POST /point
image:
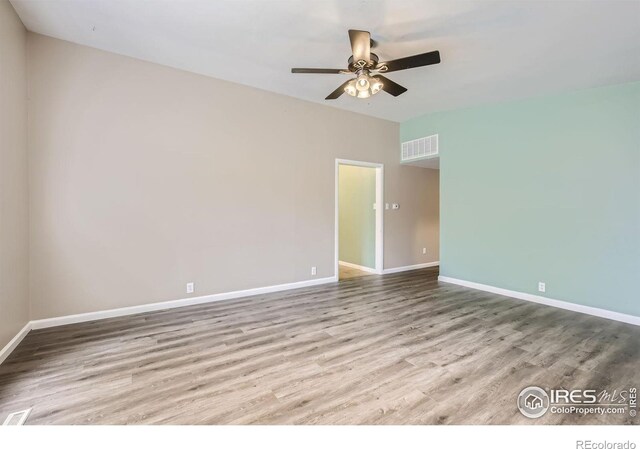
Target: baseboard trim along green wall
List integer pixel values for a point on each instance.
(622, 317)
(545, 189)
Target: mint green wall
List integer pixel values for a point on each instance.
(545, 189)
(357, 219)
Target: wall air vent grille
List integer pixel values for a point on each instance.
(419, 148)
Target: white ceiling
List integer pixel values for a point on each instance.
(492, 51)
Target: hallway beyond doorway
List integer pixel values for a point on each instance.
(347, 272)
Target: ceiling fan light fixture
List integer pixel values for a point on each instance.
(350, 88)
(362, 62)
(362, 82)
(376, 86)
(363, 86)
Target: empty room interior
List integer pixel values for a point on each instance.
(293, 212)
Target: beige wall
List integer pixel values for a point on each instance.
(14, 301)
(144, 177)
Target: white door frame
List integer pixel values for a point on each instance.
(379, 213)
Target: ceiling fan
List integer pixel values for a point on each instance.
(367, 68)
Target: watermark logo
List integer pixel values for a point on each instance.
(588, 444)
(533, 402)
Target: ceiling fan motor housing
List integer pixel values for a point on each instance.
(354, 66)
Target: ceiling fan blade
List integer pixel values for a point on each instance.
(339, 91)
(360, 45)
(329, 71)
(410, 62)
(391, 87)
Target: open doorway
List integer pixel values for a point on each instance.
(359, 219)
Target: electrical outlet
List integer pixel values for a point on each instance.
(314, 271)
(542, 287)
(395, 206)
(424, 250)
(190, 287)
(386, 206)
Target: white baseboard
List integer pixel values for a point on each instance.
(358, 267)
(411, 267)
(112, 313)
(92, 316)
(602, 313)
(15, 341)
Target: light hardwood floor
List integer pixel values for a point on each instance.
(394, 349)
(345, 272)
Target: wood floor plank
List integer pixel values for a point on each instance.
(394, 349)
